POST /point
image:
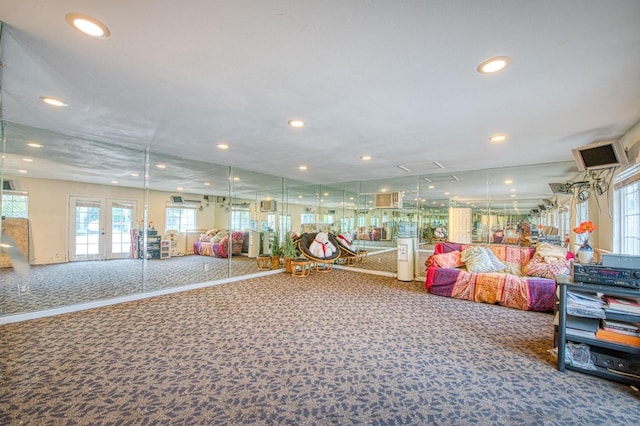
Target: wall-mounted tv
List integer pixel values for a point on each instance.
(600, 155)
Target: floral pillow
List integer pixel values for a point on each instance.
(537, 267)
(447, 260)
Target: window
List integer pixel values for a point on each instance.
(285, 223)
(180, 218)
(582, 212)
(626, 223)
(240, 220)
(15, 204)
(307, 218)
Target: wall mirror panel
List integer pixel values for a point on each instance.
(117, 221)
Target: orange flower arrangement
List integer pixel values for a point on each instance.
(585, 228)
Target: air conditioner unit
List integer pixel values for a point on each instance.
(268, 206)
(389, 200)
(177, 199)
(7, 185)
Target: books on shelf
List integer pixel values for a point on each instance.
(585, 305)
(615, 337)
(627, 328)
(619, 304)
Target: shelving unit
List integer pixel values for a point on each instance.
(152, 251)
(165, 249)
(624, 359)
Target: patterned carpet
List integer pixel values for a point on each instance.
(334, 348)
(57, 285)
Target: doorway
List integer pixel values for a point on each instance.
(100, 229)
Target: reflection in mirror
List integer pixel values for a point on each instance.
(88, 209)
(73, 206)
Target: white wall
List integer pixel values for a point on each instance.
(49, 209)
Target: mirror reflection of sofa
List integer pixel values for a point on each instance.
(215, 243)
(369, 234)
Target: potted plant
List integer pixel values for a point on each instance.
(289, 251)
(276, 250)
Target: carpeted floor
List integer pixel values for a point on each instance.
(58, 285)
(331, 349)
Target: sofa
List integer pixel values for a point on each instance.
(218, 244)
(517, 277)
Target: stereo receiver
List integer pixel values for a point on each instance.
(598, 274)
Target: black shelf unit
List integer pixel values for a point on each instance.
(153, 246)
(621, 353)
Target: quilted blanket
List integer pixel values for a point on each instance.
(506, 289)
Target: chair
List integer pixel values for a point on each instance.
(320, 264)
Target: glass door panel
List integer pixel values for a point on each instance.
(121, 223)
(87, 229)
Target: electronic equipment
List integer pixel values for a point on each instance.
(598, 274)
(620, 261)
(600, 155)
(389, 200)
(615, 364)
(7, 185)
(268, 206)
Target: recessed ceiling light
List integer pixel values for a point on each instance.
(492, 65)
(296, 123)
(34, 145)
(365, 157)
(207, 183)
(22, 171)
(161, 166)
(179, 188)
(498, 138)
(513, 195)
(114, 181)
(513, 190)
(88, 25)
(447, 193)
(508, 182)
(236, 178)
(53, 101)
(431, 186)
(222, 146)
(303, 167)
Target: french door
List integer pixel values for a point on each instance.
(100, 229)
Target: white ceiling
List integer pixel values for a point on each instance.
(396, 80)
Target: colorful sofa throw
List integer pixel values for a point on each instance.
(218, 245)
(494, 274)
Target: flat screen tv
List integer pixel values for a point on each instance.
(600, 155)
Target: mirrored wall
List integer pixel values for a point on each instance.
(88, 221)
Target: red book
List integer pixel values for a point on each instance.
(623, 305)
